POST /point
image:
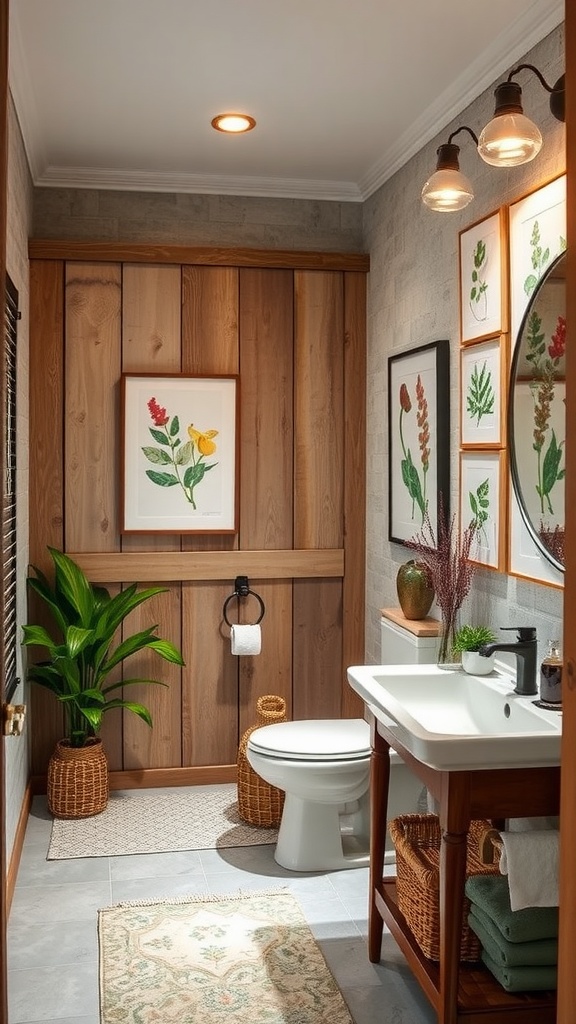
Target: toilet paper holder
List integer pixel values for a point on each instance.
(242, 589)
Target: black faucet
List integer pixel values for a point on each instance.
(525, 648)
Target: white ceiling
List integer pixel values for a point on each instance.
(120, 93)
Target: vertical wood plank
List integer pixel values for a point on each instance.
(318, 488)
(92, 372)
(318, 399)
(161, 746)
(210, 681)
(210, 320)
(266, 459)
(354, 497)
(46, 469)
(151, 325)
(317, 648)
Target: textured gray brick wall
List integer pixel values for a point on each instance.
(198, 219)
(413, 299)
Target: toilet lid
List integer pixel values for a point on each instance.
(332, 739)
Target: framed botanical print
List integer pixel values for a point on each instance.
(483, 395)
(483, 502)
(419, 438)
(179, 453)
(483, 278)
(537, 236)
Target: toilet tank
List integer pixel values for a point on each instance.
(407, 641)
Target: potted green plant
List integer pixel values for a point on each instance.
(82, 653)
(467, 641)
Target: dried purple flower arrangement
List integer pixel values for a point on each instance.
(447, 560)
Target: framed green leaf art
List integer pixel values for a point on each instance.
(483, 395)
(483, 278)
(483, 502)
(419, 438)
(179, 453)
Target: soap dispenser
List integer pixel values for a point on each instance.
(551, 675)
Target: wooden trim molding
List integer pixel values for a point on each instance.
(218, 256)
(171, 566)
(155, 778)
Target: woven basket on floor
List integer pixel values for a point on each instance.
(417, 840)
(259, 803)
(78, 780)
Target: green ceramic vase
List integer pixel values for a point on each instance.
(415, 590)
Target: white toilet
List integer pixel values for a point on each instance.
(323, 767)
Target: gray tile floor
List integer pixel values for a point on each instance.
(52, 939)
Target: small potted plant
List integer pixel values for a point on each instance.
(467, 641)
(83, 649)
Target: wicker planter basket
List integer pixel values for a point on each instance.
(78, 780)
(417, 841)
(259, 803)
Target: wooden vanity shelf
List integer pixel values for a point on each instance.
(461, 993)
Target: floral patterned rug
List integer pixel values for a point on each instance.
(158, 821)
(248, 958)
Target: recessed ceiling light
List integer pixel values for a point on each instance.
(234, 123)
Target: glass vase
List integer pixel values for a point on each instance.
(446, 657)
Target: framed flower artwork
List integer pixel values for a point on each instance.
(483, 278)
(483, 395)
(179, 453)
(419, 441)
(483, 502)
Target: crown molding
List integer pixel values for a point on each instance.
(209, 184)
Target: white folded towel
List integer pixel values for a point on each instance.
(531, 861)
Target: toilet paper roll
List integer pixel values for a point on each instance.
(246, 639)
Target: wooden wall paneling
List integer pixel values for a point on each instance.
(151, 328)
(317, 641)
(46, 472)
(210, 679)
(92, 371)
(91, 402)
(318, 487)
(354, 582)
(161, 746)
(266, 459)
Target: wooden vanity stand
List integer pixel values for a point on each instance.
(461, 993)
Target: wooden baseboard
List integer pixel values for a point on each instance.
(16, 854)
(154, 778)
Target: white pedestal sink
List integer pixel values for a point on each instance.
(454, 721)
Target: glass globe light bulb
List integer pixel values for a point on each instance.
(447, 190)
(509, 140)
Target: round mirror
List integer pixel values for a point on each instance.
(537, 413)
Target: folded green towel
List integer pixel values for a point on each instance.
(492, 895)
(522, 979)
(539, 952)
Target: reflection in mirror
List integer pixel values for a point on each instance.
(536, 413)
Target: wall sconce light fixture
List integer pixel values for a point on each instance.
(448, 189)
(511, 138)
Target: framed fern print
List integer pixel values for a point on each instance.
(483, 395)
(483, 501)
(483, 279)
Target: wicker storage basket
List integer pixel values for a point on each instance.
(417, 841)
(78, 780)
(259, 803)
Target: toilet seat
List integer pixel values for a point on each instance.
(326, 740)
